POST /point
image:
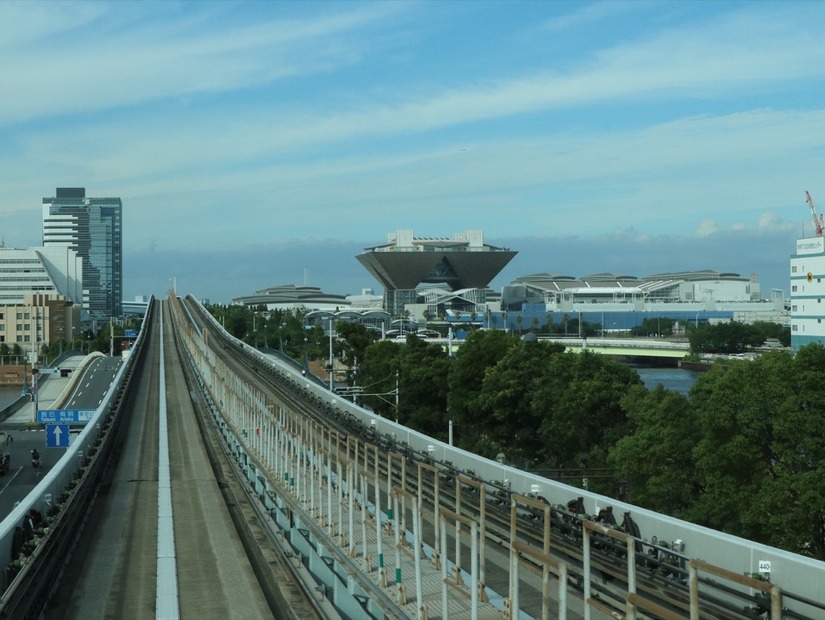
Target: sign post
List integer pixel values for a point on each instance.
(64, 416)
(57, 435)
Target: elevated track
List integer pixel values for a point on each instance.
(288, 502)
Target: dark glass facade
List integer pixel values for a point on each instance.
(93, 228)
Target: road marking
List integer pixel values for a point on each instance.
(8, 484)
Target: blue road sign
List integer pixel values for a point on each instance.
(71, 416)
(57, 436)
(130, 333)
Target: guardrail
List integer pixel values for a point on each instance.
(14, 407)
(804, 576)
(37, 535)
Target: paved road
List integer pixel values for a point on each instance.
(25, 436)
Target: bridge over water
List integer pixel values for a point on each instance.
(625, 347)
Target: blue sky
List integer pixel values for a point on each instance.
(265, 143)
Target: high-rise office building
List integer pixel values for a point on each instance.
(91, 227)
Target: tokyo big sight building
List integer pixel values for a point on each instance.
(93, 228)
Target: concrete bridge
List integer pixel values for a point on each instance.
(625, 347)
(629, 347)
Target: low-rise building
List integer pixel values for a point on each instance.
(41, 319)
(41, 295)
(293, 297)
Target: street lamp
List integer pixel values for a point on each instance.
(331, 359)
(36, 388)
(35, 361)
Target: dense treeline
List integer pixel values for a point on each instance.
(736, 337)
(534, 402)
(743, 452)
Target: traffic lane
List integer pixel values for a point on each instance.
(21, 478)
(94, 384)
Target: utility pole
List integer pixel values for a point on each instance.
(35, 366)
(331, 359)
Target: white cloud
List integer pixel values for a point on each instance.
(302, 126)
(707, 227)
(154, 60)
(586, 15)
(679, 170)
(138, 66)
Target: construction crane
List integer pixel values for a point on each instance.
(817, 218)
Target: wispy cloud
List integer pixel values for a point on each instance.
(237, 124)
(589, 14)
(75, 70)
(681, 169)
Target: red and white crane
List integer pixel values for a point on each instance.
(817, 218)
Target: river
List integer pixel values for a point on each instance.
(9, 394)
(676, 379)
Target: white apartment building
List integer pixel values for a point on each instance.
(40, 295)
(808, 292)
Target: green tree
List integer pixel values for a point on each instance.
(577, 404)
(656, 456)
(761, 448)
(237, 320)
(660, 326)
(480, 351)
(354, 338)
(505, 417)
(766, 329)
(730, 337)
(788, 511)
(423, 387)
(378, 374)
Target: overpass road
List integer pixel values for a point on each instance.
(84, 389)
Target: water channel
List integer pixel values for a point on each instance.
(9, 394)
(676, 379)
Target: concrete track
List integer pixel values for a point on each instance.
(113, 571)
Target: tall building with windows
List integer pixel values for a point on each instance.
(92, 227)
(40, 294)
(808, 292)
